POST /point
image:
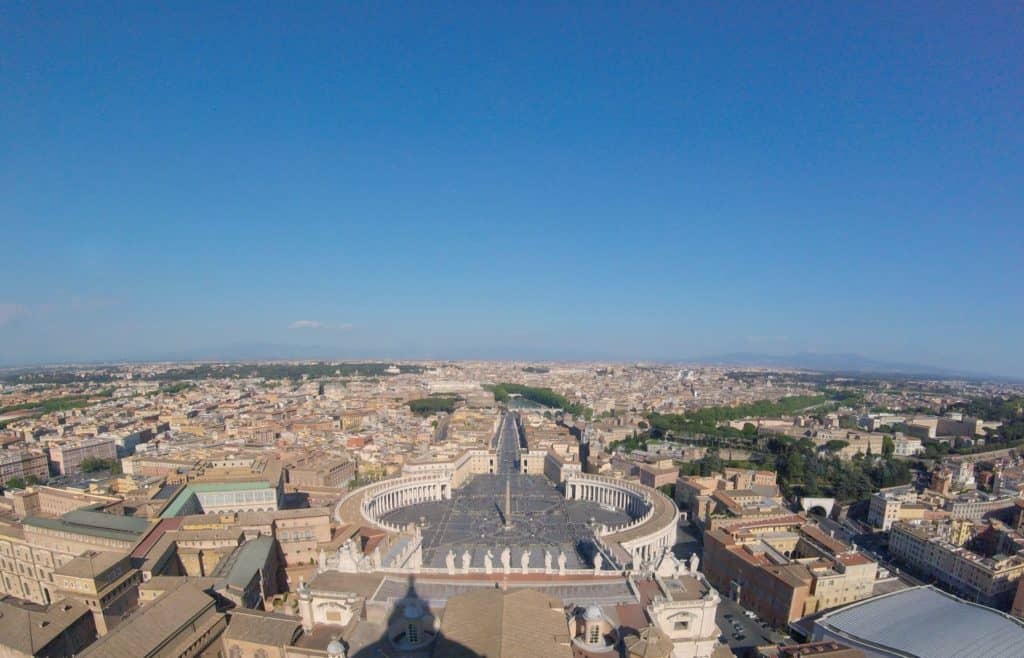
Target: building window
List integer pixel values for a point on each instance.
(682, 625)
(412, 634)
(595, 634)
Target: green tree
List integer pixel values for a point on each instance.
(888, 446)
(433, 405)
(95, 465)
(793, 465)
(16, 483)
(712, 463)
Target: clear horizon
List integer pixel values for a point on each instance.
(538, 184)
(834, 363)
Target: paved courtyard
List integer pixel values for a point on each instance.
(539, 518)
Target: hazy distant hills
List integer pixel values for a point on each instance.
(852, 363)
(833, 363)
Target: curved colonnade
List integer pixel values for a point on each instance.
(655, 516)
(372, 502)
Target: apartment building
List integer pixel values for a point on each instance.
(976, 505)
(105, 582)
(66, 458)
(907, 446)
(259, 436)
(561, 461)
(658, 474)
(322, 471)
(873, 422)
(896, 504)
(154, 465)
(54, 502)
(32, 553)
(735, 496)
(931, 427)
(905, 504)
(748, 478)
(23, 464)
(785, 570)
(935, 550)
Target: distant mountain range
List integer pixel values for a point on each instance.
(851, 363)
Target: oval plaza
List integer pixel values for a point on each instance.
(489, 512)
(449, 557)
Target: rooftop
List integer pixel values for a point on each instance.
(94, 524)
(927, 623)
(263, 627)
(239, 567)
(152, 625)
(90, 564)
(489, 622)
(28, 628)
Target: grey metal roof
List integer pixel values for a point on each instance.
(928, 623)
(95, 524)
(238, 567)
(166, 491)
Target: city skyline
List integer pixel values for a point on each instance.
(836, 364)
(454, 330)
(494, 183)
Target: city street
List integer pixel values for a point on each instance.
(750, 634)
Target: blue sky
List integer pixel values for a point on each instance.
(550, 181)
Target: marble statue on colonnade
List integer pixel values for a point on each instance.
(668, 565)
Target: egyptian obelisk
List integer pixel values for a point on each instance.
(508, 504)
